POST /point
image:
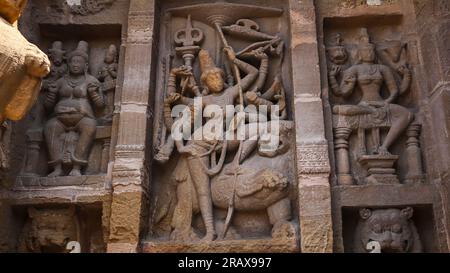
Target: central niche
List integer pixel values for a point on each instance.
(215, 194)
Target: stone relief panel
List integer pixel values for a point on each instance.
(376, 131)
(213, 191)
(68, 132)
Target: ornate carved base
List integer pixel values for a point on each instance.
(285, 245)
(415, 179)
(380, 168)
(345, 179)
(33, 181)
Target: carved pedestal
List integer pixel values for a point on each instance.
(380, 168)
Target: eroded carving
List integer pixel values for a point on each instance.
(22, 67)
(81, 7)
(108, 77)
(49, 230)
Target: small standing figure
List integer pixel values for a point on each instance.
(37, 116)
(108, 73)
(59, 67)
(337, 52)
(107, 76)
(57, 56)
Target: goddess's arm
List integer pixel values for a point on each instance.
(248, 80)
(95, 94)
(52, 94)
(347, 85)
(263, 71)
(390, 83)
(406, 79)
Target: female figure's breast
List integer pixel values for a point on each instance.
(370, 81)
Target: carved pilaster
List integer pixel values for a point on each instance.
(312, 159)
(313, 166)
(129, 170)
(32, 158)
(342, 156)
(414, 155)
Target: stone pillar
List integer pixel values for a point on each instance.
(35, 140)
(105, 155)
(313, 165)
(129, 174)
(414, 155)
(433, 23)
(342, 156)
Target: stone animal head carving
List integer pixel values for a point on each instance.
(393, 229)
(283, 138)
(49, 230)
(336, 52)
(56, 53)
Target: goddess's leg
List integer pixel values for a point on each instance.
(203, 189)
(52, 132)
(401, 119)
(87, 128)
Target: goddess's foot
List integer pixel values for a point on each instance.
(209, 237)
(75, 172)
(57, 172)
(161, 157)
(382, 151)
(283, 230)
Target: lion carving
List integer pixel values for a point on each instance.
(261, 185)
(49, 230)
(393, 229)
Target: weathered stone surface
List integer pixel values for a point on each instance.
(24, 181)
(10, 10)
(230, 246)
(22, 65)
(125, 218)
(313, 165)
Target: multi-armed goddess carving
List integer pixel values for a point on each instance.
(374, 113)
(256, 179)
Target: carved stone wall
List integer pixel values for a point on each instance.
(364, 61)
(361, 162)
(61, 153)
